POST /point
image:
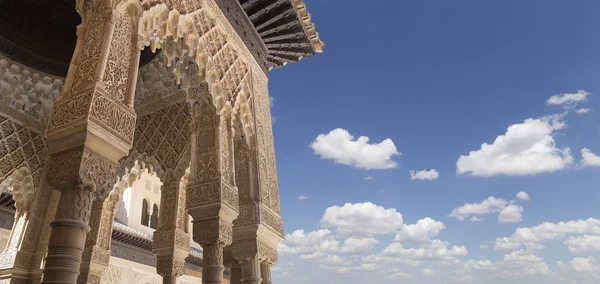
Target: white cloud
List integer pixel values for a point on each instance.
(428, 272)
(582, 110)
(548, 231)
(421, 232)
(363, 219)
(369, 178)
(488, 206)
(302, 197)
(583, 244)
(338, 145)
(588, 264)
(568, 99)
(522, 195)
(476, 219)
(511, 214)
(589, 159)
(521, 256)
(526, 148)
(483, 246)
(435, 251)
(506, 244)
(401, 275)
(424, 175)
(463, 279)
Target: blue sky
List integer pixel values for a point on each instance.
(439, 79)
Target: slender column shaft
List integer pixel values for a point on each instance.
(236, 275)
(169, 279)
(265, 272)
(67, 239)
(251, 271)
(212, 270)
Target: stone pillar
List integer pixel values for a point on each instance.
(236, 275)
(96, 254)
(258, 230)
(251, 271)
(265, 272)
(67, 238)
(90, 128)
(212, 195)
(171, 243)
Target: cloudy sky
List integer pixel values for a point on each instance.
(442, 142)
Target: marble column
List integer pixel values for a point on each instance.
(67, 239)
(90, 128)
(236, 274)
(251, 271)
(212, 196)
(265, 272)
(212, 263)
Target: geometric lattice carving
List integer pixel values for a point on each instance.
(21, 147)
(164, 135)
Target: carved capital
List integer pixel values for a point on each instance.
(169, 266)
(82, 166)
(213, 230)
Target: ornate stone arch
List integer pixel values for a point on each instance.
(197, 50)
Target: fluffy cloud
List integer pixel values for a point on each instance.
(582, 244)
(338, 145)
(302, 197)
(589, 159)
(588, 264)
(506, 244)
(421, 232)
(363, 219)
(424, 175)
(548, 231)
(428, 272)
(582, 110)
(463, 279)
(568, 99)
(434, 251)
(488, 206)
(511, 214)
(526, 148)
(401, 275)
(369, 178)
(522, 195)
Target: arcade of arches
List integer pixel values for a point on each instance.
(136, 142)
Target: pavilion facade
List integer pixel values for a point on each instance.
(172, 89)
